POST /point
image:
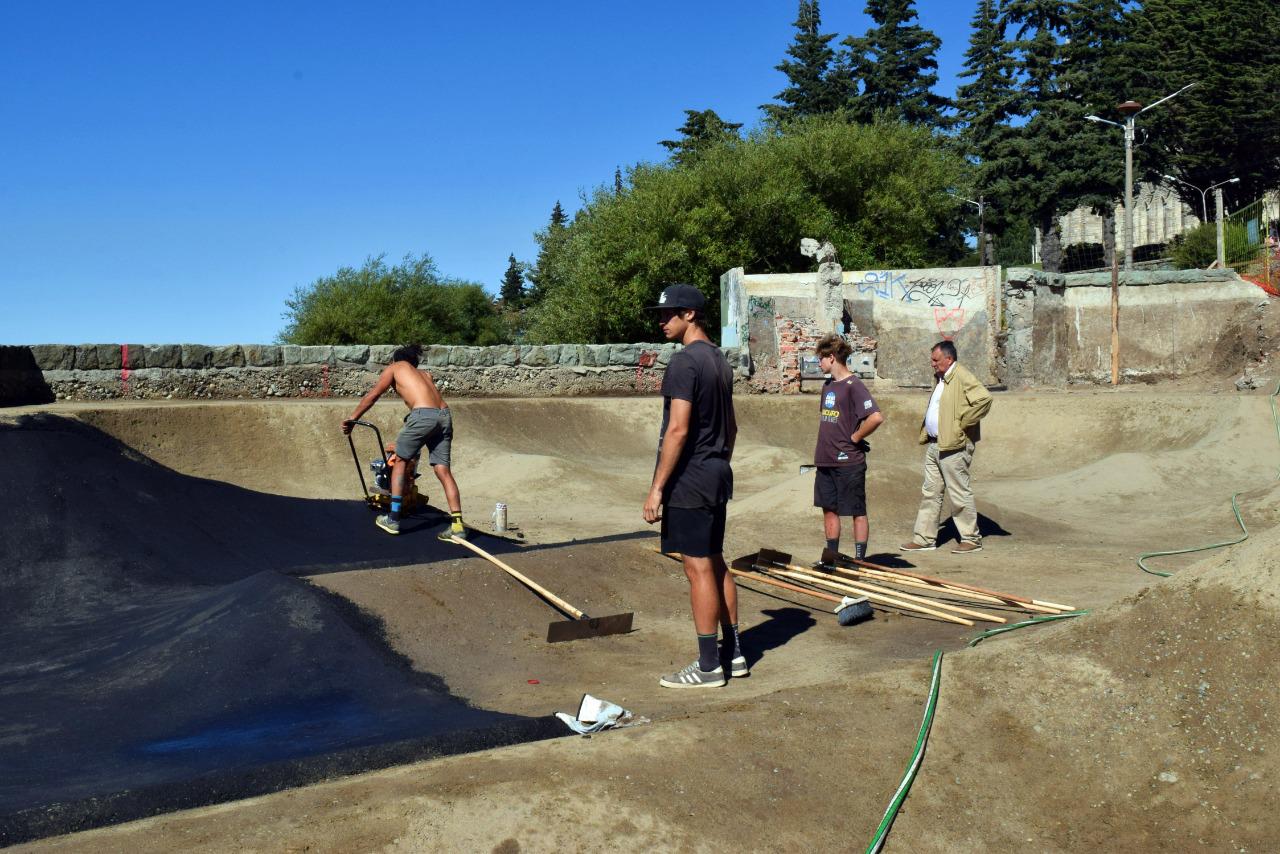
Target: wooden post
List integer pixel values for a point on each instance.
(1115, 321)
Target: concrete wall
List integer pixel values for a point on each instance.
(1173, 323)
(195, 371)
(895, 314)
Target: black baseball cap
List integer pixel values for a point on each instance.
(680, 296)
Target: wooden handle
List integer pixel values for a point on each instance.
(525, 580)
(1008, 597)
(864, 587)
(785, 586)
(877, 597)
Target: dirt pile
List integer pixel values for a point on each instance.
(1149, 725)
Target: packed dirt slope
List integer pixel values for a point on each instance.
(806, 752)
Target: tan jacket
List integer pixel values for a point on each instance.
(964, 403)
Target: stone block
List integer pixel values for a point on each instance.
(380, 354)
(108, 357)
(624, 354)
(597, 355)
(352, 354)
(463, 357)
(136, 356)
(228, 356)
(290, 354)
(665, 352)
(437, 356)
(261, 355)
(538, 356)
(509, 355)
(54, 357)
(571, 355)
(197, 356)
(163, 356)
(316, 354)
(485, 357)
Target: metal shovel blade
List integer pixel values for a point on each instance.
(768, 557)
(746, 563)
(589, 627)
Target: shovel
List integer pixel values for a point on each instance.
(581, 626)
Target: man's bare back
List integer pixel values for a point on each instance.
(417, 388)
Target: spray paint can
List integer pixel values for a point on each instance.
(499, 517)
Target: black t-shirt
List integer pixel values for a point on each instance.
(842, 405)
(702, 476)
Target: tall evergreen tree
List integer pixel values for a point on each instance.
(1228, 126)
(545, 274)
(617, 181)
(984, 107)
(1044, 143)
(701, 130)
(812, 89)
(895, 67)
(512, 291)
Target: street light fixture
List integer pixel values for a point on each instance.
(1204, 194)
(1131, 111)
(981, 205)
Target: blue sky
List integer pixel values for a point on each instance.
(170, 172)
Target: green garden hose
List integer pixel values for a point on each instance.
(1244, 536)
(877, 841)
(1047, 618)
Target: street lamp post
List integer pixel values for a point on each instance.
(981, 205)
(1204, 194)
(1131, 111)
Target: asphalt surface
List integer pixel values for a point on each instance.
(161, 652)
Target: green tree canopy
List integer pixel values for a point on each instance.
(895, 67)
(377, 304)
(701, 130)
(512, 291)
(813, 88)
(875, 191)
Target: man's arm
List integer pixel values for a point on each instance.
(672, 444)
(379, 388)
(866, 427)
(978, 399)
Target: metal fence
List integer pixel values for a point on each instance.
(1250, 242)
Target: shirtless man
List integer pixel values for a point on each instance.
(429, 423)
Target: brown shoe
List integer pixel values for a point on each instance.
(966, 548)
(916, 547)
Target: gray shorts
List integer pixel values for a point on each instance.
(430, 427)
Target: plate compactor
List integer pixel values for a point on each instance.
(379, 496)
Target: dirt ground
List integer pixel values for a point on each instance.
(1149, 724)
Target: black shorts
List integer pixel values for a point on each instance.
(693, 531)
(842, 489)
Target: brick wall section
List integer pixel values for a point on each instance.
(197, 371)
(797, 337)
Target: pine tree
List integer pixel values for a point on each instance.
(701, 130)
(812, 89)
(512, 291)
(545, 274)
(984, 107)
(895, 67)
(617, 181)
(1228, 126)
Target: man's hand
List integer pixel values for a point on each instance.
(347, 426)
(653, 506)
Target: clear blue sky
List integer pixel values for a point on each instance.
(170, 172)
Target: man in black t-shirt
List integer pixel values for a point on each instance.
(847, 415)
(693, 482)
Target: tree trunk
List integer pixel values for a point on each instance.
(1051, 246)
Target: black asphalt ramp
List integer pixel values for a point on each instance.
(159, 652)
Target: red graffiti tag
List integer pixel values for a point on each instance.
(941, 316)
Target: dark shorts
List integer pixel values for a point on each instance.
(693, 531)
(430, 427)
(842, 489)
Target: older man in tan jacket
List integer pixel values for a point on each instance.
(949, 433)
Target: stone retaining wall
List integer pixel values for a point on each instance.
(197, 371)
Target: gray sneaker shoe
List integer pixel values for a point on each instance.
(694, 677)
(386, 523)
(739, 668)
(916, 547)
(448, 534)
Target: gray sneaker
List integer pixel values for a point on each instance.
(449, 535)
(694, 677)
(386, 523)
(739, 668)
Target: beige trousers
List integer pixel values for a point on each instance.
(949, 473)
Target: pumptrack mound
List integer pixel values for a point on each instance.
(205, 570)
(159, 653)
